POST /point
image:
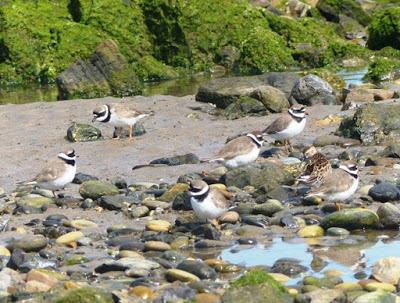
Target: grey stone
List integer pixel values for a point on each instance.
(384, 192)
(389, 215)
(311, 90)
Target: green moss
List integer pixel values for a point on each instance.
(331, 9)
(384, 29)
(314, 43)
(382, 69)
(85, 295)
(263, 51)
(150, 69)
(257, 277)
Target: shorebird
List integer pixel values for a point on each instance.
(288, 125)
(240, 151)
(57, 174)
(207, 203)
(119, 115)
(339, 185)
(317, 167)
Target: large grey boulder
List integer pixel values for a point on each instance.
(311, 90)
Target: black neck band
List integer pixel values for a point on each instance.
(203, 196)
(108, 114)
(255, 141)
(298, 119)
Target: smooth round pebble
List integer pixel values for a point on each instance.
(311, 231)
(69, 237)
(157, 246)
(142, 291)
(82, 224)
(158, 225)
(180, 275)
(229, 217)
(337, 232)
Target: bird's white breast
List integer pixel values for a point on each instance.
(243, 159)
(63, 180)
(293, 129)
(206, 210)
(344, 195)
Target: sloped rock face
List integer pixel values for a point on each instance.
(106, 72)
(373, 124)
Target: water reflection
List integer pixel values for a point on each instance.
(348, 255)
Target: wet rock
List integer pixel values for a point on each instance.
(116, 202)
(127, 263)
(376, 297)
(105, 73)
(256, 220)
(268, 177)
(373, 124)
(29, 243)
(84, 294)
(80, 178)
(211, 244)
(384, 192)
(311, 231)
(389, 215)
(177, 160)
(180, 275)
(311, 90)
(79, 132)
(154, 204)
(142, 291)
(268, 208)
(356, 218)
(198, 268)
(243, 107)
(122, 132)
(337, 232)
(289, 267)
(206, 232)
(94, 189)
(322, 296)
(69, 237)
(284, 81)
(387, 270)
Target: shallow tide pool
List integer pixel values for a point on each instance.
(351, 255)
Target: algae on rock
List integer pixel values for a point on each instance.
(373, 124)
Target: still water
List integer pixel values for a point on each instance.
(177, 87)
(351, 255)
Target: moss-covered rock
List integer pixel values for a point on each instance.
(384, 29)
(356, 218)
(256, 286)
(95, 189)
(84, 295)
(105, 73)
(244, 106)
(373, 124)
(383, 69)
(150, 69)
(331, 10)
(79, 132)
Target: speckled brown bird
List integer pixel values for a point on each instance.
(317, 167)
